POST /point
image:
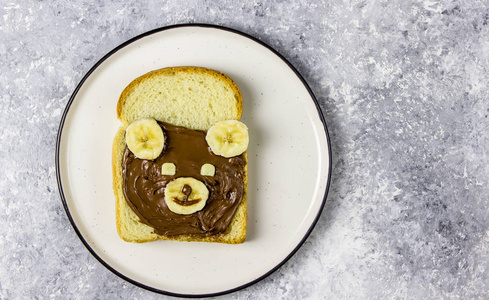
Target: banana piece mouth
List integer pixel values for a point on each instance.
(186, 195)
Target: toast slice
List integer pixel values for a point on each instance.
(195, 98)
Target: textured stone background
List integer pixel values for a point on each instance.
(404, 89)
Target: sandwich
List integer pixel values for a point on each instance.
(179, 158)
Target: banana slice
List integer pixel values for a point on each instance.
(228, 138)
(186, 195)
(145, 139)
(168, 169)
(208, 170)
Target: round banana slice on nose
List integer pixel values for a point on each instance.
(186, 195)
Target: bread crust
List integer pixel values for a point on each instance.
(183, 69)
(128, 226)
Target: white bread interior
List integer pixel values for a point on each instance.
(192, 97)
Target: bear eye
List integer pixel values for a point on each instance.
(168, 169)
(207, 170)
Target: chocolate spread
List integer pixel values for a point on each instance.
(144, 185)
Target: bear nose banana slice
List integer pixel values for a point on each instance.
(228, 138)
(186, 195)
(145, 139)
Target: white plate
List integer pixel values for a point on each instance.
(289, 161)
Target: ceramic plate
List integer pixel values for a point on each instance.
(289, 161)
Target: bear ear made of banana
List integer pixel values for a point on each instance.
(186, 195)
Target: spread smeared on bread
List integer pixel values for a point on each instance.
(145, 186)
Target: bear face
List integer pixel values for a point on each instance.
(145, 182)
